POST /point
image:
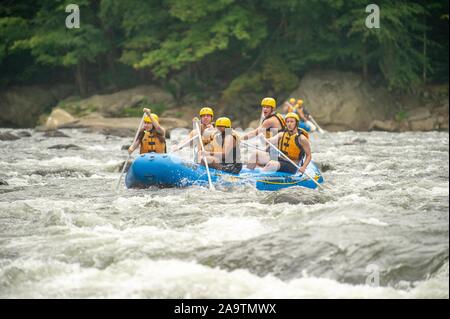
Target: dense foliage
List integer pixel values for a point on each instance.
(226, 46)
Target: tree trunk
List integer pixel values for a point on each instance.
(80, 76)
(365, 67)
(425, 40)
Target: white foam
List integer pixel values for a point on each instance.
(221, 229)
(144, 278)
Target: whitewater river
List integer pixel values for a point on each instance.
(380, 229)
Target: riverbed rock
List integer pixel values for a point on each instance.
(356, 140)
(23, 134)
(65, 147)
(426, 125)
(55, 134)
(8, 137)
(22, 106)
(112, 105)
(119, 132)
(343, 99)
(118, 168)
(122, 127)
(57, 118)
(419, 114)
(387, 126)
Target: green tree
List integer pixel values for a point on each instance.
(55, 45)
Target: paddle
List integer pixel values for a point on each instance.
(317, 125)
(292, 162)
(129, 155)
(179, 148)
(211, 186)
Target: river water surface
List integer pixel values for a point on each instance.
(379, 230)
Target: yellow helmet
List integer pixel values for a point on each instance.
(269, 101)
(206, 111)
(292, 116)
(156, 117)
(292, 101)
(223, 122)
(147, 118)
(300, 102)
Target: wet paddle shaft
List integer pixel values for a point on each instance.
(199, 132)
(129, 155)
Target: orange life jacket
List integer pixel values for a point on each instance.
(291, 147)
(153, 142)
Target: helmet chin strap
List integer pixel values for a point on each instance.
(296, 125)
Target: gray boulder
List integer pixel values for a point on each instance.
(112, 105)
(57, 118)
(8, 137)
(65, 147)
(342, 100)
(418, 114)
(22, 106)
(54, 134)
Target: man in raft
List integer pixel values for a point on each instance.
(151, 138)
(289, 106)
(294, 143)
(272, 123)
(305, 117)
(226, 153)
(206, 127)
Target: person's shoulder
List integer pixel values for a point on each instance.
(271, 121)
(302, 137)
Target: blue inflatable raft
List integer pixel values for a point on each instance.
(168, 170)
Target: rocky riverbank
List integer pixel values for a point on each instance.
(339, 101)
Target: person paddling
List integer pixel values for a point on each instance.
(151, 138)
(305, 117)
(288, 106)
(206, 127)
(272, 124)
(294, 143)
(226, 153)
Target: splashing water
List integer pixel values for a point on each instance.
(65, 233)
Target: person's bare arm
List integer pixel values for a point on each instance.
(136, 143)
(307, 148)
(264, 126)
(302, 115)
(159, 129)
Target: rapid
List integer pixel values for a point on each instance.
(379, 230)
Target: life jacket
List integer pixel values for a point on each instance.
(280, 118)
(290, 146)
(207, 138)
(152, 142)
(218, 144)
